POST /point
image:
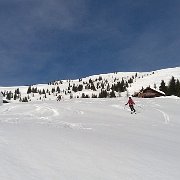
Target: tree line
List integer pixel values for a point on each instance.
(173, 87)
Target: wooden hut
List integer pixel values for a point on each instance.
(150, 93)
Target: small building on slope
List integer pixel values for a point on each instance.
(150, 93)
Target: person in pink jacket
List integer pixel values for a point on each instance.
(131, 105)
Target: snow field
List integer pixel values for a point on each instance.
(90, 139)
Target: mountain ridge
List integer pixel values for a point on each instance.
(92, 85)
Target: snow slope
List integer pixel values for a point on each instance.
(90, 139)
(143, 79)
(155, 78)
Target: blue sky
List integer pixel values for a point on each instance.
(44, 40)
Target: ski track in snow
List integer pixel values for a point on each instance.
(43, 114)
(42, 109)
(56, 122)
(80, 140)
(8, 109)
(154, 106)
(118, 106)
(165, 115)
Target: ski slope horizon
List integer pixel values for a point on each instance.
(162, 72)
(143, 79)
(90, 139)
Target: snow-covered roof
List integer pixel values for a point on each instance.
(161, 92)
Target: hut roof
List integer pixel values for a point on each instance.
(155, 90)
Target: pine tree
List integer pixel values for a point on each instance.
(102, 85)
(83, 95)
(177, 88)
(122, 86)
(100, 78)
(53, 90)
(25, 99)
(9, 95)
(97, 85)
(40, 92)
(172, 86)
(80, 87)
(127, 85)
(163, 87)
(29, 90)
(87, 96)
(130, 80)
(3, 93)
(112, 94)
(108, 87)
(94, 96)
(136, 75)
(93, 87)
(58, 89)
(103, 94)
(35, 90)
(74, 88)
(17, 91)
(43, 91)
(15, 96)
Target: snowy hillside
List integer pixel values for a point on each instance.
(122, 83)
(90, 139)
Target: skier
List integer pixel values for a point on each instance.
(59, 98)
(131, 105)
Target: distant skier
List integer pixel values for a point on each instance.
(59, 98)
(131, 105)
